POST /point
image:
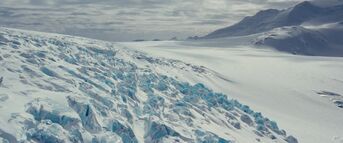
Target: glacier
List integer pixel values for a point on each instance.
(59, 88)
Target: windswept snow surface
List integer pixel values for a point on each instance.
(303, 93)
(58, 88)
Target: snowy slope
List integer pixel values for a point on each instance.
(314, 40)
(303, 93)
(58, 88)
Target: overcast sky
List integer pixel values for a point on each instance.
(124, 20)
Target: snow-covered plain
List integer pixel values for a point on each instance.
(57, 88)
(299, 92)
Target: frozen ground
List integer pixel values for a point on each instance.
(303, 93)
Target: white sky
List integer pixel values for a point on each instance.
(123, 20)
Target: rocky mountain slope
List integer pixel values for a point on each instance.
(306, 29)
(266, 20)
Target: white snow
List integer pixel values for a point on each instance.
(285, 88)
(280, 85)
(59, 88)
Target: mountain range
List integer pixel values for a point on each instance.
(306, 28)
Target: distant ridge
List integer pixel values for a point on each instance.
(305, 29)
(269, 19)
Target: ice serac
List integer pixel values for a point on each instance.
(81, 90)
